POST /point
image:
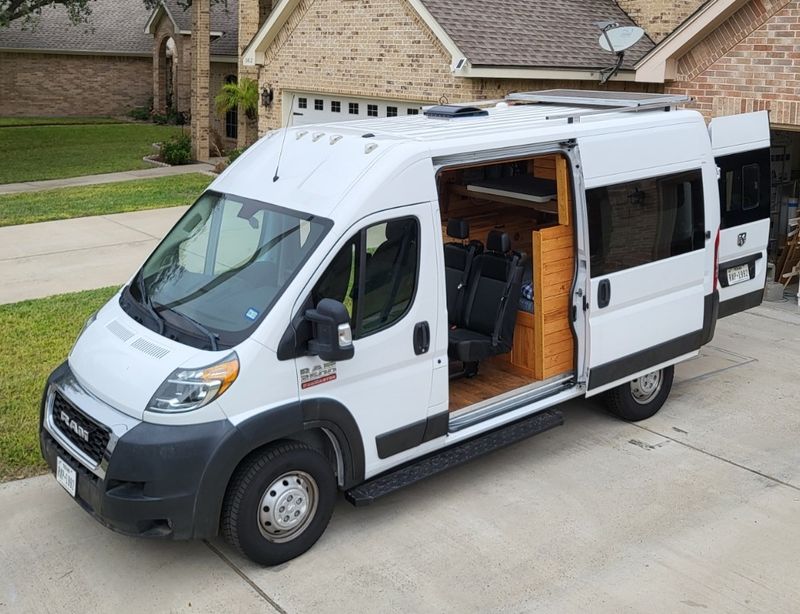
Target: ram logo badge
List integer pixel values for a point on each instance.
(741, 239)
(319, 374)
(75, 427)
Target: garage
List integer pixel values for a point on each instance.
(314, 108)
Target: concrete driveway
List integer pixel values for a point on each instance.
(695, 510)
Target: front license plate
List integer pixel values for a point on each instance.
(66, 476)
(738, 274)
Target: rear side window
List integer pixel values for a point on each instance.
(744, 187)
(374, 275)
(638, 222)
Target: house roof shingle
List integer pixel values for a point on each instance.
(542, 34)
(115, 27)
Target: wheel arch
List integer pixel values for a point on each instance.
(307, 421)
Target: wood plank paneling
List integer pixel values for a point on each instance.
(492, 380)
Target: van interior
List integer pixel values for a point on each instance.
(509, 263)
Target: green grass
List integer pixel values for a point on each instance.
(38, 335)
(63, 203)
(34, 153)
(56, 121)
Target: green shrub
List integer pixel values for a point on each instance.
(160, 119)
(177, 150)
(235, 153)
(140, 113)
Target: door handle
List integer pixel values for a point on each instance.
(603, 293)
(422, 338)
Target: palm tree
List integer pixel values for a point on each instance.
(242, 95)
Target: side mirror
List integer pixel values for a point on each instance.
(331, 337)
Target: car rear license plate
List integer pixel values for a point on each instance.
(66, 476)
(738, 274)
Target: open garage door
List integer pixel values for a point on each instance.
(311, 108)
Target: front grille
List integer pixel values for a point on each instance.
(88, 436)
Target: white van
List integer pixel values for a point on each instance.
(359, 306)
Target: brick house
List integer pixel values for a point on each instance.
(320, 60)
(126, 56)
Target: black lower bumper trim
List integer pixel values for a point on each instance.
(740, 303)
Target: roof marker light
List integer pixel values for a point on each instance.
(301, 134)
(317, 136)
(370, 148)
(336, 138)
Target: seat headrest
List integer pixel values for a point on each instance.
(498, 241)
(396, 229)
(458, 229)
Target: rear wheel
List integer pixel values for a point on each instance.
(642, 397)
(279, 503)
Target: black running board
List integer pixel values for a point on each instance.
(453, 456)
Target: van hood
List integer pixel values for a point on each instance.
(122, 362)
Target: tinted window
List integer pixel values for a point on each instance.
(302, 103)
(744, 187)
(633, 223)
(374, 275)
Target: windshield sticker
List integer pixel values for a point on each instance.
(251, 314)
(319, 374)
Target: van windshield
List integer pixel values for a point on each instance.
(221, 268)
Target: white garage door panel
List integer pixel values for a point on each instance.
(311, 108)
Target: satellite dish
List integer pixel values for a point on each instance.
(620, 39)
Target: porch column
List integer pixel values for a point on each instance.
(201, 69)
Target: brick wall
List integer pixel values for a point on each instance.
(252, 14)
(750, 63)
(44, 84)
(375, 49)
(659, 17)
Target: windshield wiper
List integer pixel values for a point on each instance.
(211, 336)
(148, 304)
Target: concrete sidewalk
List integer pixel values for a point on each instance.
(68, 182)
(38, 260)
(694, 510)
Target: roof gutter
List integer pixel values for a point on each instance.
(523, 72)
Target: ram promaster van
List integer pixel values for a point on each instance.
(359, 306)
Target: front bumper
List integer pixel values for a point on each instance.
(152, 480)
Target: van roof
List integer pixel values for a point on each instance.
(319, 163)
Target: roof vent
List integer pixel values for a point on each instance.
(452, 111)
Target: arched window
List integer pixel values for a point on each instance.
(232, 115)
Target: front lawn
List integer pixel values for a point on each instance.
(63, 203)
(34, 153)
(38, 336)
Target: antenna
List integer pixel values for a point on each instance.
(616, 39)
(283, 140)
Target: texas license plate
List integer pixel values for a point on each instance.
(66, 476)
(738, 274)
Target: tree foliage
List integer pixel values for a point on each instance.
(78, 10)
(242, 95)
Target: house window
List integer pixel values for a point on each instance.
(302, 103)
(391, 111)
(318, 105)
(231, 115)
(638, 222)
(336, 106)
(372, 110)
(353, 108)
(413, 111)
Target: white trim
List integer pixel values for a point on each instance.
(155, 15)
(492, 72)
(125, 54)
(224, 59)
(660, 64)
(254, 52)
(438, 31)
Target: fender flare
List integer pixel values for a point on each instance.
(271, 425)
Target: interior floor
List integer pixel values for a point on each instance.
(490, 382)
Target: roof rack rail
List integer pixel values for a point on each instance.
(598, 102)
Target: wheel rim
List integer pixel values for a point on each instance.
(645, 388)
(288, 506)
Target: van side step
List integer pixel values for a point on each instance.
(453, 456)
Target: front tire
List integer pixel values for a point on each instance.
(642, 397)
(279, 503)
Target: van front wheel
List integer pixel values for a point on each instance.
(642, 397)
(279, 503)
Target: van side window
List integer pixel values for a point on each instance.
(374, 275)
(744, 187)
(637, 222)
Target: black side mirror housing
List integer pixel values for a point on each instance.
(331, 337)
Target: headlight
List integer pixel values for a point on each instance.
(188, 389)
